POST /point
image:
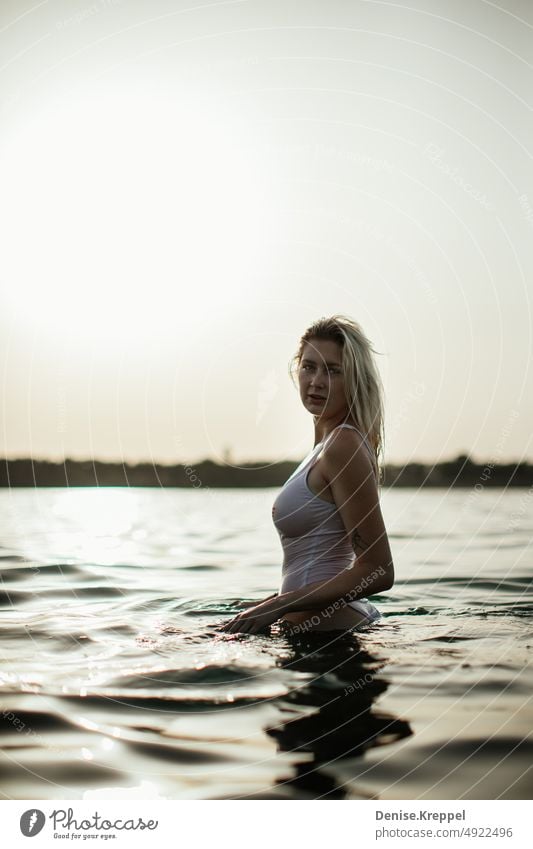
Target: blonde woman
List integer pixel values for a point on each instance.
(335, 545)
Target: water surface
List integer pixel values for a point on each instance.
(115, 680)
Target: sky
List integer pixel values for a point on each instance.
(186, 186)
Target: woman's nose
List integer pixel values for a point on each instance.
(317, 382)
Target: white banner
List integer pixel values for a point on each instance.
(220, 823)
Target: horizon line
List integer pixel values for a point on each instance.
(129, 462)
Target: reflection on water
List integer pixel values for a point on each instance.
(116, 681)
(346, 722)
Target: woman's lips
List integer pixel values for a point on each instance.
(316, 397)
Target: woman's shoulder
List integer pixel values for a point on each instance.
(346, 435)
(347, 444)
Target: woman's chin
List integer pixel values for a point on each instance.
(315, 407)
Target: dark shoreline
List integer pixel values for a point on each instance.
(461, 472)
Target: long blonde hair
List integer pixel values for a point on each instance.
(362, 382)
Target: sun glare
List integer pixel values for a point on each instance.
(124, 210)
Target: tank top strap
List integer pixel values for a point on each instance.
(365, 442)
(307, 460)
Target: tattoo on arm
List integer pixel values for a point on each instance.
(358, 543)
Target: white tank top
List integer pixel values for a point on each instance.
(315, 543)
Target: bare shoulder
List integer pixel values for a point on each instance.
(346, 450)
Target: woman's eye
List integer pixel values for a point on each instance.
(307, 367)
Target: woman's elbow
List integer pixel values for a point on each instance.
(378, 577)
(380, 565)
(384, 577)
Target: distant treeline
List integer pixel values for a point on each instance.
(459, 472)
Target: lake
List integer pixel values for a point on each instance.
(116, 683)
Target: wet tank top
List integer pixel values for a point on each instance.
(313, 537)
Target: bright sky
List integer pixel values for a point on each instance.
(186, 186)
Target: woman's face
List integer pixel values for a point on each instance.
(320, 375)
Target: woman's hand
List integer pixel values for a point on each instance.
(256, 618)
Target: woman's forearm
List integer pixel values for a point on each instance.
(349, 585)
(255, 603)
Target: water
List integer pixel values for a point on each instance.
(115, 681)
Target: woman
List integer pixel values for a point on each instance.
(334, 540)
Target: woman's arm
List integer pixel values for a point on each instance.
(348, 470)
(253, 603)
(357, 582)
(321, 596)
